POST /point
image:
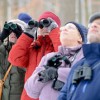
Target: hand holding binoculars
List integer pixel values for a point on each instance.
(7, 29)
(12, 27)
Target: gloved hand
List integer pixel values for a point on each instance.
(6, 31)
(51, 26)
(48, 74)
(30, 31)
(16, 29)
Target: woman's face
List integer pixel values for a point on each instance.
(69, 35)
(12, 38)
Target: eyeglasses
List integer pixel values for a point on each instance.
(71, 27)
(68, 27)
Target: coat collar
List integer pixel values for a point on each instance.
(91, 50)
(69, 51)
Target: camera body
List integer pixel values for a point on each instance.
(43, 23)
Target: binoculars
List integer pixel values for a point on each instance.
(82, 73)
(55, 61)
(10, 26)
(41, 24)
(64, 58)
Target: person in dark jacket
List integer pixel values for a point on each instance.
(83, 82)
(14, 83)
(50, 76)
(30, 50)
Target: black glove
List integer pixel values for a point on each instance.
(16, 29)
(48, 74)
(6, 31)
(55, 62)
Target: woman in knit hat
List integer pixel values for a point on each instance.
(14, 83)
(49, 77)
(30, 52)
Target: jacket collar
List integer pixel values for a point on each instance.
(91, 50)
(69, 51)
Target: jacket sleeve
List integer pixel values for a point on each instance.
(55, 38)
(19, 54)
(32, 86)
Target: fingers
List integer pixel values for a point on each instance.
(43, 76)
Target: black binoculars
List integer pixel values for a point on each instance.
(41, 24)
(82, 73)
(55, 61)
(9, 26)
(64, 58)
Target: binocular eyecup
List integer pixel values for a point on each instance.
(43, 23)
(9, 26)
(33, 23)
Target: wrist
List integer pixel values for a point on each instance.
(28, 35)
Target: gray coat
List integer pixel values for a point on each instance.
(14, 83)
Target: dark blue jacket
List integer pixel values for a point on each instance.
(85, 89)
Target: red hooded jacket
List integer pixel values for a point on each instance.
(24, 53)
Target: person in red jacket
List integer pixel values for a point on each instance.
(28, 53)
